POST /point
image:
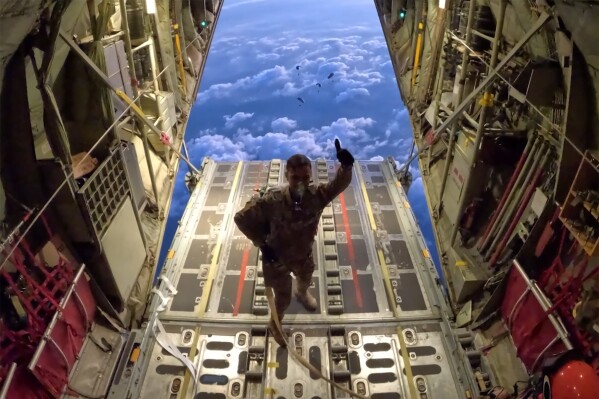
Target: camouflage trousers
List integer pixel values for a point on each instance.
(278, 276)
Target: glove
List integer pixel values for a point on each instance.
(344, 156)
(268, 254)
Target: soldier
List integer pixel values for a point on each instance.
(283, 223)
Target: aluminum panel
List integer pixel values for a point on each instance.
(238, 360)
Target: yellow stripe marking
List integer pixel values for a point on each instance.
(205, 293)
(201, 307)
(130, 102)
(461, 263)
(406, 204)
(171, 253)
(390, 296)
(365, 193)
(272, 365)
(425, 253)
(192, 355)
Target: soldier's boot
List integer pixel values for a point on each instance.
(304, 297)
(275, 333)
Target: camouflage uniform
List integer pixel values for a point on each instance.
(275, 220)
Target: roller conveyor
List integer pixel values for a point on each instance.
(373, 280)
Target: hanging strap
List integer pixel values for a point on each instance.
(300, 359)
(165, 342)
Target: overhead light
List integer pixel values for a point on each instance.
(402, 13)
(442, 4)
(151, 6)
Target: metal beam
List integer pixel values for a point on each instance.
(395, 10)
(480, 129)
(489, 79)
(128, 46)
(462, 82)
(138, 112)
(493, 72)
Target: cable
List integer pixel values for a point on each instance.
(37, 216)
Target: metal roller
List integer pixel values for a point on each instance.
(254, 375)
(341, 375)
(339, 349)
(256, 349)
(334, 289)
(335, 309)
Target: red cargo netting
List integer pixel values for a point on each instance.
(533, 334)
(23, 385)
(65, 338)
(56, 309)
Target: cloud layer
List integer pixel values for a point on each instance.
(231, 121)
(265, 58)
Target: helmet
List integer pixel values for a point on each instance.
(574, 380)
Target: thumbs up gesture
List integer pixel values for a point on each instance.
(343, 155)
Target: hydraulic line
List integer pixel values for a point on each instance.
(507, 191)
(512, 206)
(523, 204)
(500, 212)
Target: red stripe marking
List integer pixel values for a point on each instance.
(350, 249)
(244, 263)
(241, 281)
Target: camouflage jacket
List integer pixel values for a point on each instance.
(275, 220)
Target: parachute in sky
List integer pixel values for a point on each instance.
(301, 100)
(318, 84)
(331, 75)
(298, 67)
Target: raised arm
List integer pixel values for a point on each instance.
(343, 177)
(328, 191)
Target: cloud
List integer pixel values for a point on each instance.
(399, 126)
(231, 121)
(355, 134)
(268, 56)
(287, 48)
(357, 62)
(267, 77)
(283, 124)
(375, 44)
(217, 147)
(352, 93)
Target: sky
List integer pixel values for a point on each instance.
(248, 109)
